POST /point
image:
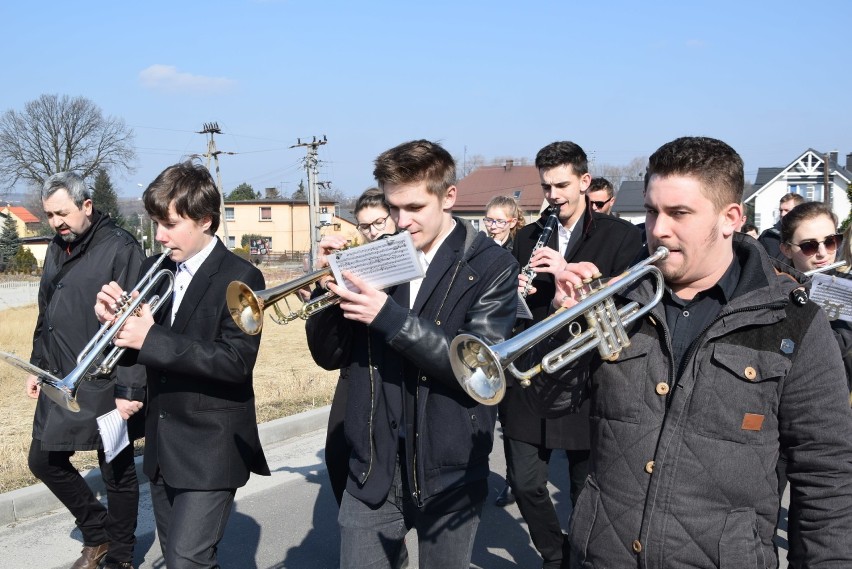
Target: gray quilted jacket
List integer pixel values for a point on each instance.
(684, 467)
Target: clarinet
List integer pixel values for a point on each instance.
(549, 226)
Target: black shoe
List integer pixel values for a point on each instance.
(505, 497)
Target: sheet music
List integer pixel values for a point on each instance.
(834, 295)
(383, 263)
(113, 431)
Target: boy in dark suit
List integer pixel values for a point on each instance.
(201, 439)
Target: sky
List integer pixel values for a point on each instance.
(494, 79)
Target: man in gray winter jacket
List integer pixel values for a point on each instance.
(733, 367)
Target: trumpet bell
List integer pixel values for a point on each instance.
(56, 389)
(246, 307)
(478, 369)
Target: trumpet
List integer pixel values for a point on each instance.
(63, 391)
(479, 367)
(247, 306)
(836, 265)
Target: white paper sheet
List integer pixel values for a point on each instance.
(383, 263)
(834, 295)
(113, 431)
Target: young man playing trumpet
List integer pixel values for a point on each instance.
(420, 444)
(201, 438)
(725, 373)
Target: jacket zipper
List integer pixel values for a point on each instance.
(372, 404)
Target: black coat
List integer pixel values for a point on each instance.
(201, 427)
(66, 322)
(612, 244)
(470, 287)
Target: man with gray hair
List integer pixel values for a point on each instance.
(87, 251)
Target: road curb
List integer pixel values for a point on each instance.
(37, 499)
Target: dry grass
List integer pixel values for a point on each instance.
(286, 382)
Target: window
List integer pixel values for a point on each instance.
(265, 213)
(517, 194)
(475, 223)
(232, 241)
(229, 214)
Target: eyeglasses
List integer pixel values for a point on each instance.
(599, 205)
(811, 246)
(496, 222)
(378, 224)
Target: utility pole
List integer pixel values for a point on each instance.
(311, 163)
(211, 129)
(826, 180)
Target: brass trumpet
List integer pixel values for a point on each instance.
(63, 391)
(479, 367)
(247, 306)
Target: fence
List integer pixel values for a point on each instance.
(18, 293)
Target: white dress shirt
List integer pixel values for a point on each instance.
(185, 271)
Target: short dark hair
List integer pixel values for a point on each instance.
(717, 166)
(562, 153)
(803, 212)
(192, 189)
(791, 197)
(600, 183)
(417, 161)
(748, 227)
(372, 197)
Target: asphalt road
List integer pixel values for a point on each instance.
(288, 520)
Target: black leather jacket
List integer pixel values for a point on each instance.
(403, 358)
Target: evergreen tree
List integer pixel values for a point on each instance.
(242, 192)
(301, 193)
(9, 240)
(105, 198)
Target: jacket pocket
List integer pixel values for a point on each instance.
(616, 387)
(736, 394)
(583, 518)
(739, 546)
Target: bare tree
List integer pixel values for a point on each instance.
(58, 133)
(634, 170)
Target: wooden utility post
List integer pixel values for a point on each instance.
(311, 163)
(211, 129)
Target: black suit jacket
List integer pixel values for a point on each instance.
(612, 244)
(201, 428)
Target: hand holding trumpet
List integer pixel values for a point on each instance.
(569, 281)
(134, 331)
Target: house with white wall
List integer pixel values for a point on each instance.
(805, 176)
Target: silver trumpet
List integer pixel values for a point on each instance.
(63, 391)
(836, 265)
(479, 367)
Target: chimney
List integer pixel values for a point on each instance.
(849, 161)
(509, 164)
(832, 158)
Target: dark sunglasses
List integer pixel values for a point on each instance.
(598, 204)
(811, 246)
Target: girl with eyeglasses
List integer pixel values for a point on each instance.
(503, 219)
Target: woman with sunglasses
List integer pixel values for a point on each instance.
(503, 219)
(809, 238)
